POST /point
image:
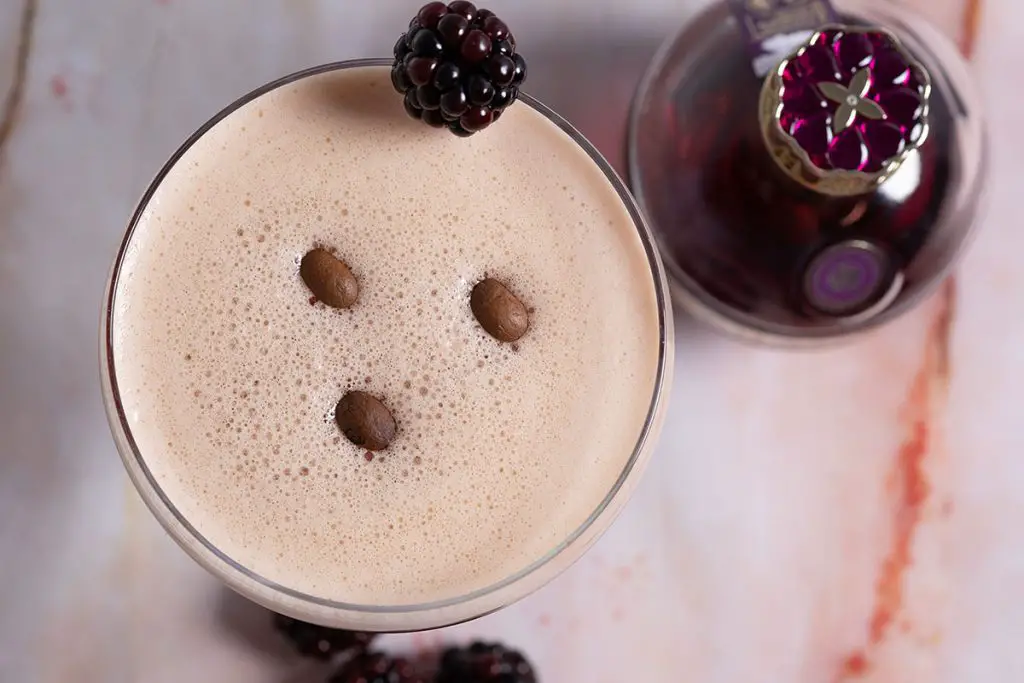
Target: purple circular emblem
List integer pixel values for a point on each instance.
(848, 278)
(853, 100)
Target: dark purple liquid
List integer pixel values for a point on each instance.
(744, 232)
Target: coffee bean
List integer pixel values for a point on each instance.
(498, 311)
(329, 279)
(365, 421)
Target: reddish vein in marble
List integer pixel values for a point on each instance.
(11, 106)
(971, 25)
(933, 375)
(909, 483)
(912, 492)
(59, 87)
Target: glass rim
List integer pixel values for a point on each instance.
(155, 496)
(747, 327)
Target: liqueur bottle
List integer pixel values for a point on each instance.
(812, 169)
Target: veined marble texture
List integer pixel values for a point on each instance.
(852, 514)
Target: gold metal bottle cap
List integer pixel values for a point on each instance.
(843, 112)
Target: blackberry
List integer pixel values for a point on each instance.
(465, 9)
(480, 90)
(503, 98)
(485, 663)
(320, 642)
(453, 30)
(374, 667)
(454, 104)
(457, 67)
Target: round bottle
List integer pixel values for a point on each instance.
(811, 170)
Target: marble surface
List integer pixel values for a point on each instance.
(851, 514)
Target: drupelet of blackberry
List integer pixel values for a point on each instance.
(484, 663)
(320, 642)
(457, 67)
(375, 667)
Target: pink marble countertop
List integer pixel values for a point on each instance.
(855, 514)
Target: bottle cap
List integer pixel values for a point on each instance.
(851, 279)
(843, 112)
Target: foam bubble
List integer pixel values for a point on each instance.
(230, 376)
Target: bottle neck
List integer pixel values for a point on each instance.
(824, 128)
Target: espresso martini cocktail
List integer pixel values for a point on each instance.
(376, 375)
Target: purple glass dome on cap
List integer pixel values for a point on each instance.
(847, 108)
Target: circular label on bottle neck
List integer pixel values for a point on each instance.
(849, 278)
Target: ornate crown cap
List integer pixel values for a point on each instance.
(845, 110)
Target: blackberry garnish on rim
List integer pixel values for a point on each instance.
(457, 67)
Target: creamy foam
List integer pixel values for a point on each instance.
(229, 376)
